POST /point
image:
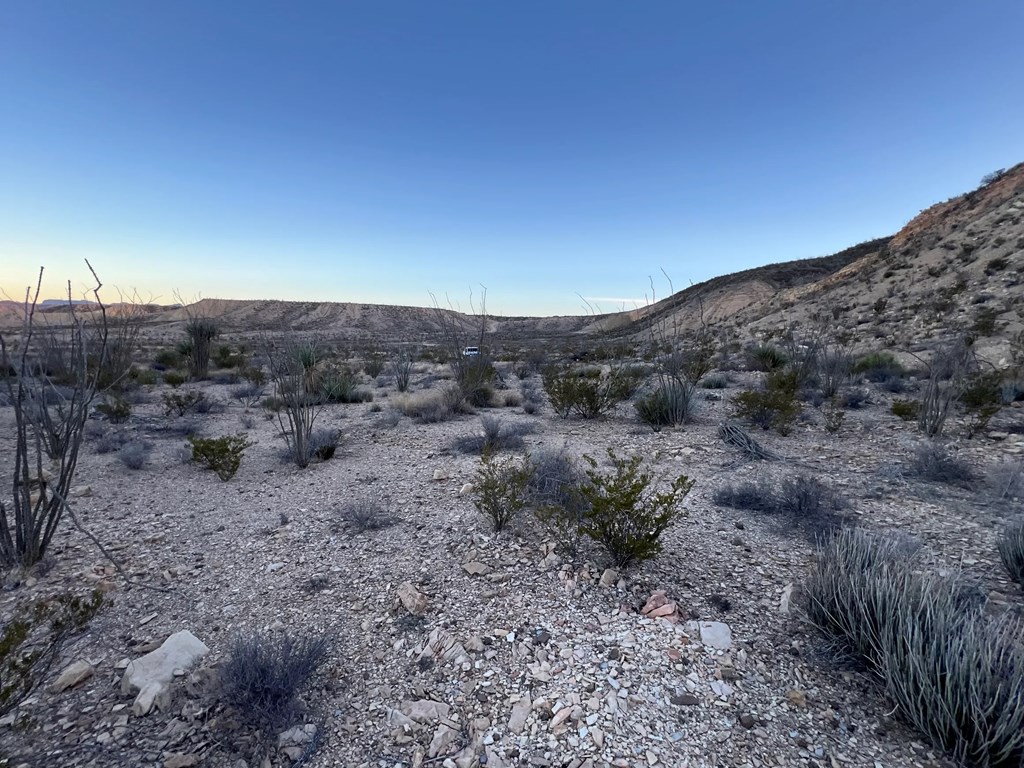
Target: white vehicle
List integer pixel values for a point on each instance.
(471, 352)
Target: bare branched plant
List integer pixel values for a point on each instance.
(49, 418)
(947, 377)
(292, 370)
(401, 366)
(472, 373)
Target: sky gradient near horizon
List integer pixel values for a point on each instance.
(381, 152)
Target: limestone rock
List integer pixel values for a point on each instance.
(150, 675)
(520, 711)
(715, 634)
(73, 674)
(415, 602)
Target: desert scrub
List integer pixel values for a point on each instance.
(1011, 549)
(588, 393)
(265, 673)
(669, 404)
(774, 406)
(365, 515)
(803, 501)
(499, 493)
(981, 400)
(134, 454)
(221, 454)
(554, 493)
(953, 671)
(933, 462)
(494, 436)
(625, 515)
(323, 443)
(906, 409)
(878, 367)
(765, 357)
(116, 409)
(180, 403)
(33, 637)
(174, 379)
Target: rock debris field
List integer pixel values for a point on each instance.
(450, 645)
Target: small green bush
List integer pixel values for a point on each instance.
(167, 358)
(499, 493)
(174, 379)
(624, 514)
(180, 403)
(221, 454)
(982, 399)
(587, 392)
(341, 385)
(907, 410)
(116, 409)
(775, 406)
(878, 367)
(145, 377)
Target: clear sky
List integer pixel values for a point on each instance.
(378, 151)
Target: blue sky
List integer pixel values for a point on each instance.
(377, 152)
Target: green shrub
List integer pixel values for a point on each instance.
(624, 513)
(499, 492)
(116, 409)
(167, 358)
(878, 367)
(180, 403)
(774, 406)
(174, 378)
(982, 399)
(670, 404)
(221, 454)
(341, 385)
(145, 377)
(907, 410)
(765, 357)
(587, 392)
(1011, 550)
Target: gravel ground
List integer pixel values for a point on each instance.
(519, 658)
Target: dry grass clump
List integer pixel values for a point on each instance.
(365, 515)
(804, 501)
(495, 435)
(431, 406)
(934, 463)
(1011, 550)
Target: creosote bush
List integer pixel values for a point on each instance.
(265, 674)
(625, 515)
(953, 671)
(180, 403)
(499, 493)
(221, 454)
(586, 392)
(115, 408)
(1011, 549)
(906, 409)
(774, 406)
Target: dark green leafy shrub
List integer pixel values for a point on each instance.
(588, 393)
(997, 264)
(144, 377)
(878, 367)
(341, 385)
(1011, 550)
(906, 409)
(32, 639)
(265, 673)
(167, 358)
(180, 403)
(774, 406)
(499, 492)
(623, 512)
(116, 409)
(221, 454)
(174, 379)
(981, 399)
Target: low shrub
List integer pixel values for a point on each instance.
(134, 454)
(588, 392)
(1011, 549)
(167, 358)
(907, 410)
(554, 493)
(775, 405)
(934, 463)
(715, 381)
(804, 501)
(834, 417)
(854, 399)
(432, 406)
(954, 672)
(765, 357)
(1006, 479)
(174, 379)
(116, 409)
(180, 403)
(499, 492)
(341, 385)
(365, 515)
(249, 394)
(110, 442)
(878, 367)
(495, 436)
(221, 454)
(982, 399)
(323, 443)
(669, 404)
(265, 673)
(624, 514)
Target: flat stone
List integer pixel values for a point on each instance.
(425, 710)
(715, 634)
(73, 674)
(151, 674)
(476, 568)
(520, 711)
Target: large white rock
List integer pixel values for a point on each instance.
(151, 674)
